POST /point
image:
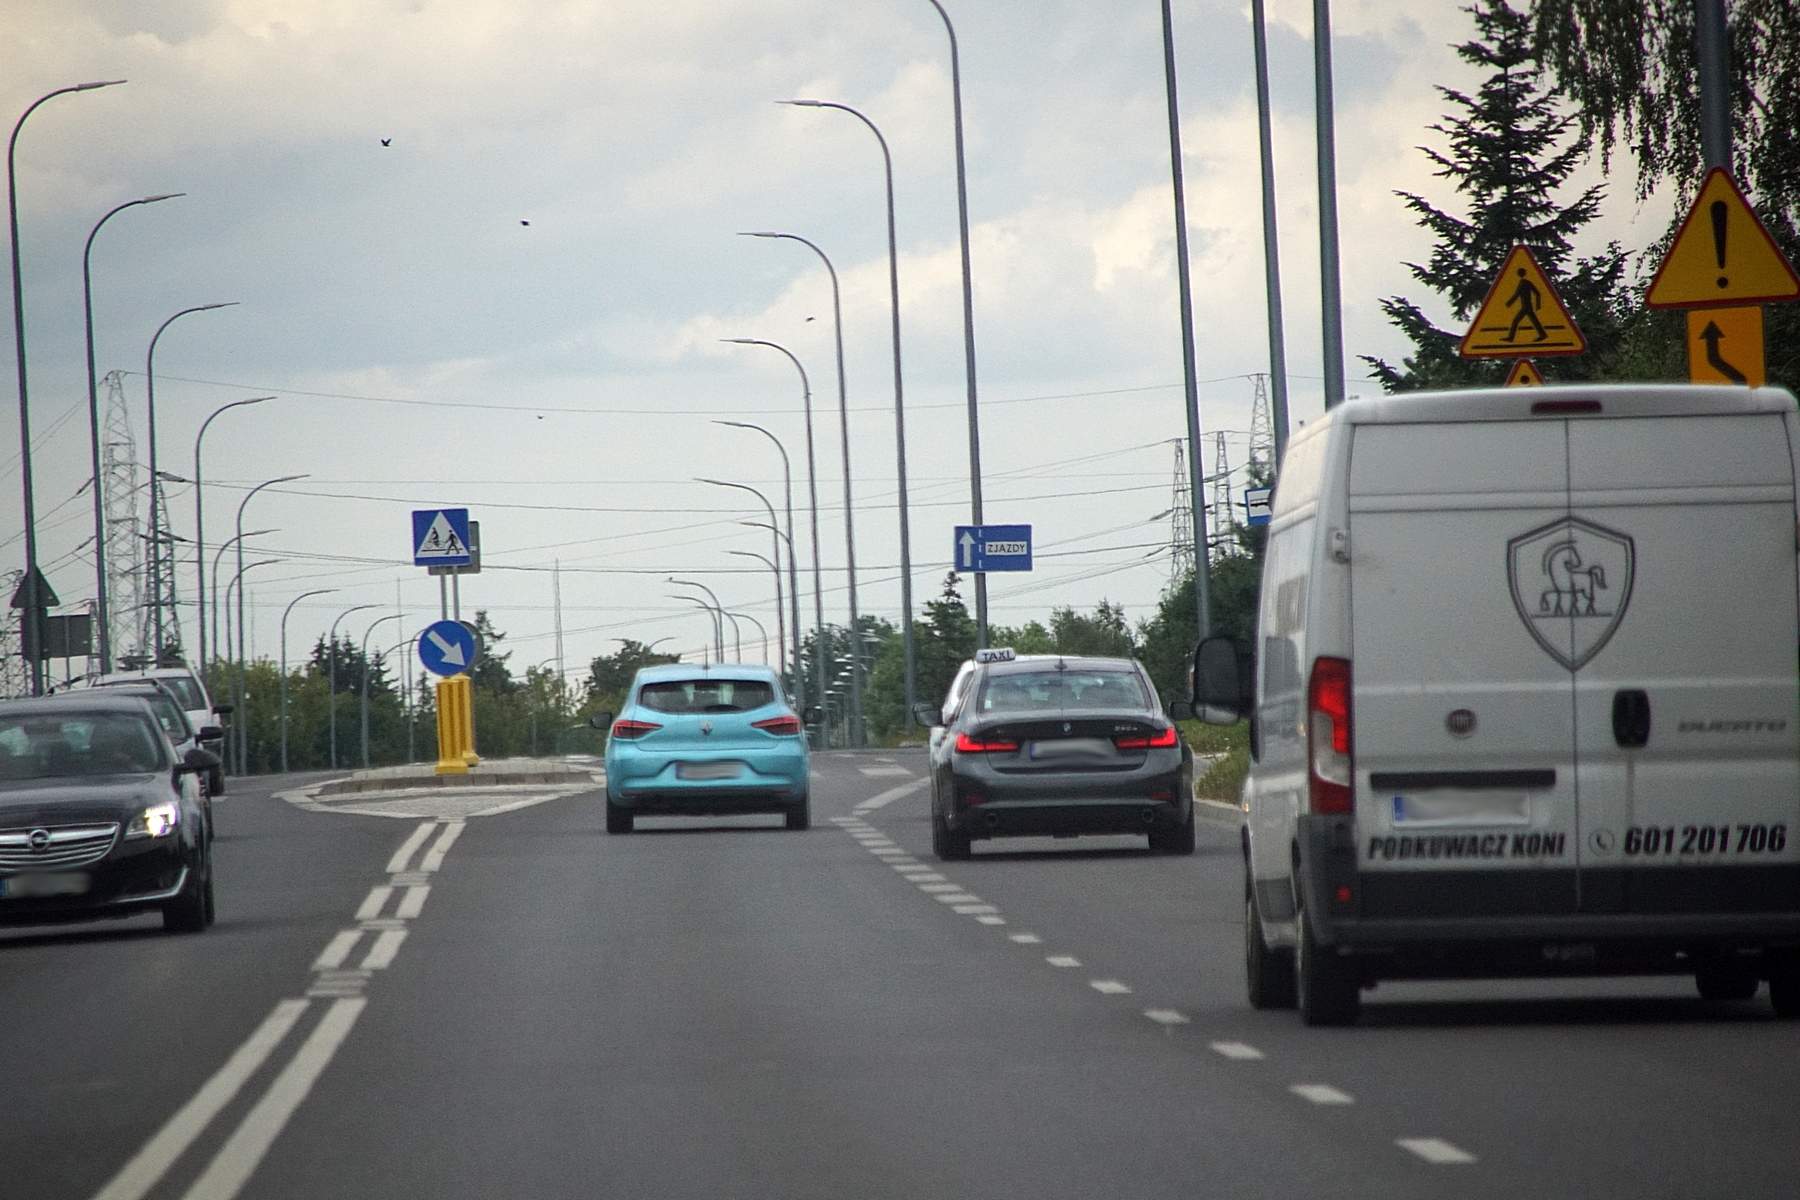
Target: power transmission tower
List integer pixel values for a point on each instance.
(1262, 426)
(1181, 536)
(1223, 517)
(15, 674)
(127, 612)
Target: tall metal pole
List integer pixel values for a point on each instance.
(775, 535)
(103, 635)
(906, 629)
(1712, 45)
(241, 728)
(1196, 475)
(719, 642)
(243, 658)
(31, 622)
(366, 672)
(712, 614)
(331, 688)
(1330, 288)
(780, 638)
(200, 518)
(968, 298)
(759, 628)
(161, 573)
(787, 488)
(1278, 397)
(218, 606)
(284, 673)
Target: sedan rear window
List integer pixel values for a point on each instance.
(1053, 691)
(53, 747)
(706, 695)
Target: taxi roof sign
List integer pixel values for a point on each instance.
(1522, 315)
(995, 654)
(1722, 256)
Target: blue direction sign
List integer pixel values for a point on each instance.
(447, 648)
(441, 537)
(993, 548)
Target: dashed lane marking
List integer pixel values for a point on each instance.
(413, 903)
(975, 910)
(1063, 960)
(891, 795)
(991, 919)
(337, 950)
(381, 954)
(371, 907)
(940, 887)
(1026, 939)
(957, 898)
(409, 847)
(880, 771)
(1321, 1093)
(1435, 1150)
(1109, 987)
(1166, 1016)
(434, 858)
(1238, 1050)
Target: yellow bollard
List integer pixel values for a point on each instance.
(470, 758)
(452, 721)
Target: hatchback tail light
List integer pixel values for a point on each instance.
(630, 730)
(1160, 740)
(1328, 735)
(986, 745)
(783, 726)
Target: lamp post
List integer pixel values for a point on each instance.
(365, 684)
(104, 635)
(331, 691)
(1331, 290)
(837, 323)
(717, 607)
(243, 645)
(780, 633)
(242, 711)
(713, 615)
(812, 488)
(32, 618)
(1278, 389)
(787, 487)
(284, 688)
(218, 556)
(906, 630)
(159, 517)
(199, 512)
(774, 535)
(968, 298)
(759, 629)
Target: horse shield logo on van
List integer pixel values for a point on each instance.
(1571, 580)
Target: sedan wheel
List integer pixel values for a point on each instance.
(951, 845)
(1178, 840)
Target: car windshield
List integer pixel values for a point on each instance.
(1052, 690)
(187, 692)
(706, 695)
(46, 746)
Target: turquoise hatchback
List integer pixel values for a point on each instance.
(706, 741)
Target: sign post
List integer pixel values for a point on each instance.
(449, 648)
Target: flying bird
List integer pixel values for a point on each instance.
(809, 318)
(524, 222)
(387, 141)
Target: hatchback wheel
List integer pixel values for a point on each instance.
(618, 820)
(800, 816)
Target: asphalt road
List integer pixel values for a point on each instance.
(518, 1005)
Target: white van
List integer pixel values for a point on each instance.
(1524, 699)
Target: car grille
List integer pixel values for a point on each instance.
(66, 846)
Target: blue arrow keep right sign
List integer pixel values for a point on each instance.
(447, 648)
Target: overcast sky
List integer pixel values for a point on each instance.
(484, 253)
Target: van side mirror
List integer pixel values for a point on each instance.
(600, 720)
(1224, 682)
(928, 715)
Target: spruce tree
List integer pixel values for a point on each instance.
(1510, 150)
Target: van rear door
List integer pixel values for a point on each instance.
(1463, 723)
(1683, 547)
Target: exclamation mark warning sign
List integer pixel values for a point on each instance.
(1722, 256)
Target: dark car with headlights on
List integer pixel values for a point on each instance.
(1042, 745)
(99, 816)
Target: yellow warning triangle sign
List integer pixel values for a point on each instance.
(1524, 374)
(1722, 255)
(1522, 315)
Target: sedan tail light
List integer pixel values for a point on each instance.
(1328, 735)
(630, 730)
(788, 726)
(984, 745)
(1160, 740)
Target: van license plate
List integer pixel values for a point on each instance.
(709, 770)
(72, 883)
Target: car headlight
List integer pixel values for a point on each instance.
(159, 820)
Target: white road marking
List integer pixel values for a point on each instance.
(1166, 1016)
(1435, 1150)
(244, 1151)
(1237, 1050)
(1063, 960)
(908, 861)
(167, 1144)
(337, 950)
(891, 795)
(1109, 987)
(512, 805)
(413, 903)
(413, 841)
(991, 919)
(958, 897)
(434, 858)
(893, 770)
(381, 954)
(1321, 1093)
(377, 900)
(973, 910)
(1026, 939)
(940, 887)
(917, 876)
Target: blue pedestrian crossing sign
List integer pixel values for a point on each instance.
(981, 548)
(441, 537)
(448, 648)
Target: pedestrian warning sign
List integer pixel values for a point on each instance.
(1524, 374)
(1725, 345)
(1722, 255)
(1522, 315)
(441, 537)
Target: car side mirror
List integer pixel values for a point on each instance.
(1181, 710)
(600, 720)
(928, 715)
(210, 733)
(197, 760)
(813, 715)
(223, 710)
(1224, 683)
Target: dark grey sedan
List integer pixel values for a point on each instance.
(1042, 745)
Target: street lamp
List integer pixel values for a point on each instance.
(243, 646)
(31, 623)
(104, 634)
(331, 689)
(242, 711)
(284, 672)
(780, 632)
(837, 320)
(759, 629)
(812, 488)
(199, 517)
(365, 684)
(713, 615)
(717, 607)
(906, 630)
(787, 488)
(158, 516)
(774, 536)
(218, 556)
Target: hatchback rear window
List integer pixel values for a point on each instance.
(706, 695)
(1049, 691)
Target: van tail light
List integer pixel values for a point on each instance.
(985, 745)
(1162, 739)
(631, 730)
(1328, 735)
(781, 726)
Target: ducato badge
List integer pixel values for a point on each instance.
(1571, 581)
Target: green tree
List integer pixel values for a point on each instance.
(610, 675)
(491, 674)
